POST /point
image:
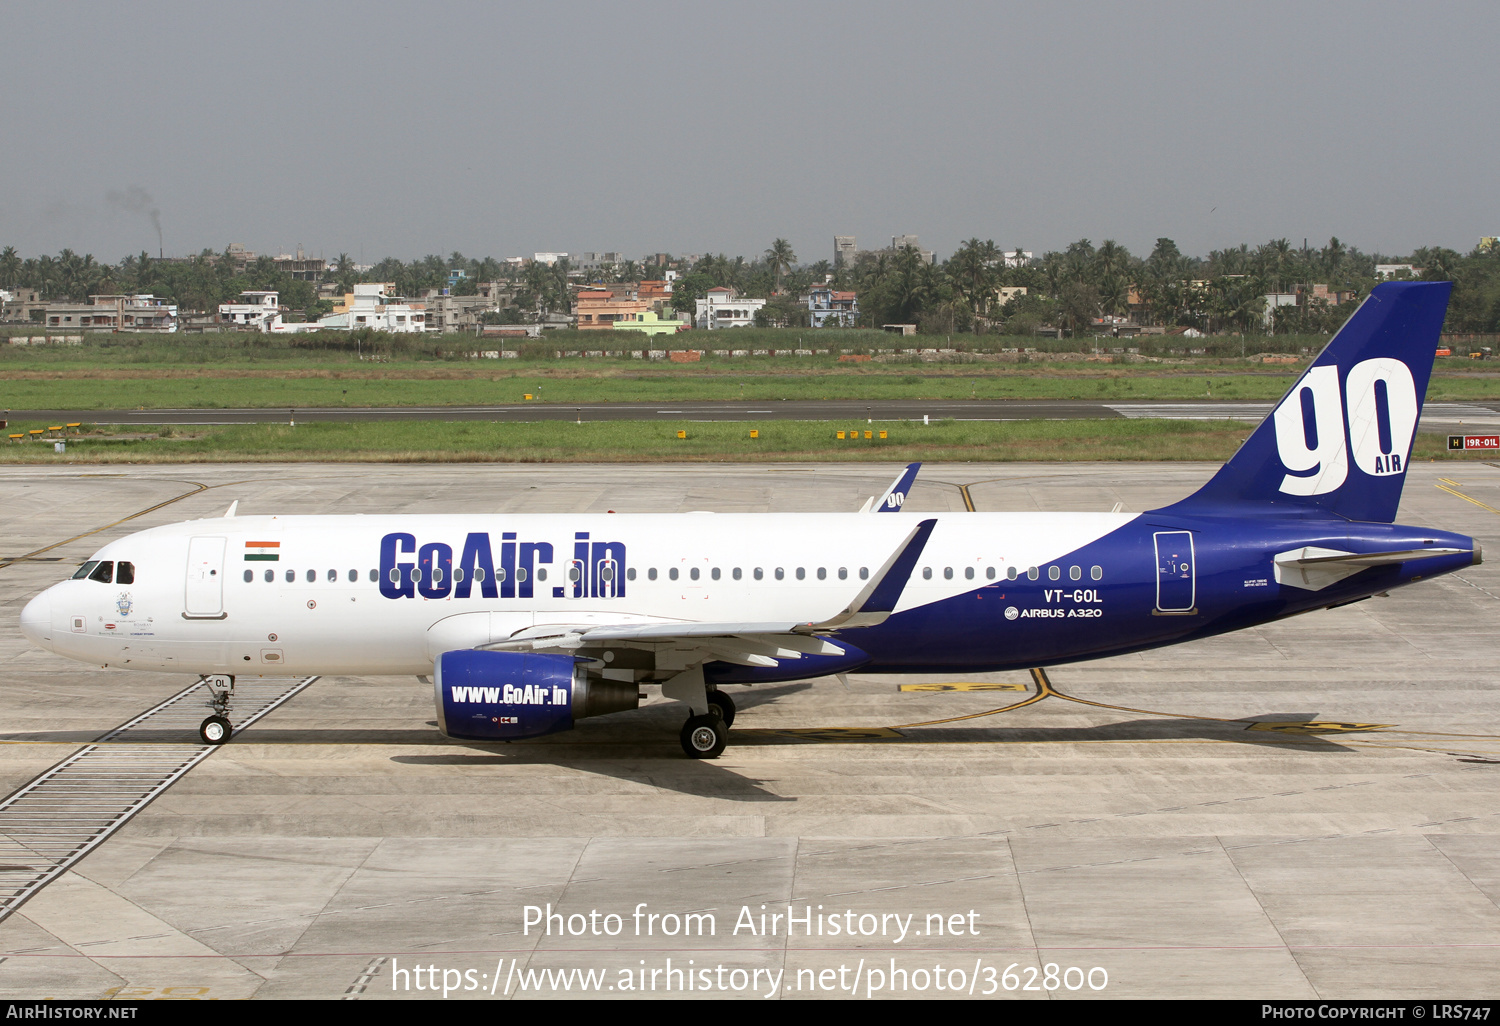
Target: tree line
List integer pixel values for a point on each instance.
(1069, 289)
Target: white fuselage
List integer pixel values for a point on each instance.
(312, 594)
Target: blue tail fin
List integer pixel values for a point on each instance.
(1338, 442)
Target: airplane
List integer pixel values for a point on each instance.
(524, 624)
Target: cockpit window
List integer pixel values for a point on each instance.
(104, 573)
(124, 573)
(83, 571)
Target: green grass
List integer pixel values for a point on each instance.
(624, 442)
(239, 370)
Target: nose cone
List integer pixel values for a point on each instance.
(36, 620)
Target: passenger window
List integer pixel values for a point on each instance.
(1075, 573)
(989, 572)
(353, 576)
(124, 573)
(606, 572)
(737, 573)
(374, 576)
(437, 575)
(822, 574)
(574, 574)
(520, 574)
(333, 577)
(1053, 573)
(780, 573)
(947, 573)
(458, 573)
(672, 574)
(1097, 573)
(927, 573)
(651, 574)
(541, 574)
(693, 573)
(759, 574)
(1011, 573)
(801, 574)
(83, 571)
(249, 576)
(104, 573)
(1032, 573)
(291, 576)
(714, 573)
(312, 576)
(395, 575)
(271, 575)
(630, 574)
(968, 573)
(416, 574)
(843, 573)
(864, 573)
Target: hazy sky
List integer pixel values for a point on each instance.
(382, 129)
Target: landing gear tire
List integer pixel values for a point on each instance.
(724, 704)
(704, 737)
(215, 730)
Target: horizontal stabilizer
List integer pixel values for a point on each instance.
(1314, 568)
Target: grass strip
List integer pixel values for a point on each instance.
(655, 442)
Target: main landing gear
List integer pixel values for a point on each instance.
(216, 729)
(704, 737)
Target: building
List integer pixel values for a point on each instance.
(21, 305)
(723, 308)
(1017, 257)
(599, 308)
(650, 324)
(593, 261)
(845, 254)
(826, 305)
(463, 313)
(113, 313)
(301, 267)
(549, 259)
(657, 293)
(371, 305)
(255, 311)
(1397, 271)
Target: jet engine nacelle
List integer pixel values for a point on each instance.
(507, 696)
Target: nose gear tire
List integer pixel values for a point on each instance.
(215, 730)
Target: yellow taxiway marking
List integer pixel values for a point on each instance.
(1316, 727)
(962, 686)
(1466, 498)
(827, 733)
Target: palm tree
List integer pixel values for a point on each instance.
(781, 258)
(10, 266)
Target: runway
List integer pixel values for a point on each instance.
(1303, 810)
(1436, 416)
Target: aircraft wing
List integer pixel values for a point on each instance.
(749, 643)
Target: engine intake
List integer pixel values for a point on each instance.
(508, 696)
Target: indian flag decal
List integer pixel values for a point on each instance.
(262, 551)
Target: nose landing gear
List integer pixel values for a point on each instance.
(216, 729)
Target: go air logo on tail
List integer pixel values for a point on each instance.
(1379, 399)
